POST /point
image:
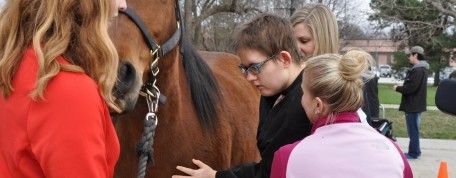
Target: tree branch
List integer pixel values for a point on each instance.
(416, 22)
(438, 5)
(232, 7)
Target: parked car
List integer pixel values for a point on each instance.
(385, 70)
(401, 73)
(377, 72)
(374, 71)
(446, 72)
(453, 75)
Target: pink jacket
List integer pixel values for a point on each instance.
(349, 149)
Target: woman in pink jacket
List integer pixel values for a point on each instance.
(339, 145)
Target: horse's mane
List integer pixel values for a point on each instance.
(203, 86)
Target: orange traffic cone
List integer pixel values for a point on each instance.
(443, 170)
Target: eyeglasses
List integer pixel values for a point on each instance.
(254, 68)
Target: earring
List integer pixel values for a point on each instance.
(317, 112)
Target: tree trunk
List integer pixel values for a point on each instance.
(188, 17)
(294, 4)
(197, 35)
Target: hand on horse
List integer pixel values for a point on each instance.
(204, 171)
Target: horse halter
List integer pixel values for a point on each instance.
(150, 89)
(156, 51)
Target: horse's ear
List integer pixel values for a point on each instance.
(445, 97)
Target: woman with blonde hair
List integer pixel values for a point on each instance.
(57, 71)
(339, 145)
(315, 28)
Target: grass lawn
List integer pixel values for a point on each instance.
(434, 124)
(387, 95)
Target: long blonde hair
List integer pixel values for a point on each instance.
(75, 29)
(322, 24)
(337, 79)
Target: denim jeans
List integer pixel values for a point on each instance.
(413, 129)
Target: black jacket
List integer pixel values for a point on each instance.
(414, 90)
(371, 103)
(282, 124)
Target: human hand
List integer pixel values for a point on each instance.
(204, 171)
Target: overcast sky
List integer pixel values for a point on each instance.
(362, 11)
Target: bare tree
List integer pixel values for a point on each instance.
(209, 23)
(196, 12)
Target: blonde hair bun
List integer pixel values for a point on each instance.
(354, 64)
(337, 79)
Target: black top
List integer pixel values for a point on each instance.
(414, 90)
(279, 125)
(371, 103)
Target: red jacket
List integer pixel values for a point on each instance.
(68, 134)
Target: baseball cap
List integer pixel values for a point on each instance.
(416, 49)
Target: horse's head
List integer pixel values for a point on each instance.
(135, 53)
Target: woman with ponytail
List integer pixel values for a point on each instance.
(339, 144)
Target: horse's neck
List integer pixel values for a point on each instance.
(172, 81)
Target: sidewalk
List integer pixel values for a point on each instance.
(399, 82)
(396, 106)
(433, 151)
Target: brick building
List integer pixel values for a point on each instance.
(381, 50)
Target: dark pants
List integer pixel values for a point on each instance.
(413, 125)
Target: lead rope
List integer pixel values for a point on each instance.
(152, 94)
(146, 150)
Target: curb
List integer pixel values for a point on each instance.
(396, 106)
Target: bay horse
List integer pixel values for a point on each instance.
(210, 112)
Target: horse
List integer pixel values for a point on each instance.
(210, 112)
